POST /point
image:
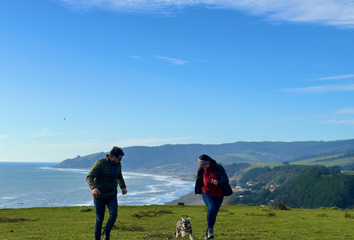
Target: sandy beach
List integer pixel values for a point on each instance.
(192, 199)
(189, 199)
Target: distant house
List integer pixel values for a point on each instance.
(238, 189)
(273, 187)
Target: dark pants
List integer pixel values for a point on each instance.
(213, 204)
(100, 207)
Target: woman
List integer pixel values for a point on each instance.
(212, 182)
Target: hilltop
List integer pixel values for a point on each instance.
(181, 159)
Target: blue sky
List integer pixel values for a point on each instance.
(78, 77)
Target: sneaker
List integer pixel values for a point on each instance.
(210, 233)
(106, 235)
(206, 235)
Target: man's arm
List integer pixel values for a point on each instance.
(121, 181)
(92, 175)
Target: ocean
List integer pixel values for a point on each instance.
(28, 185)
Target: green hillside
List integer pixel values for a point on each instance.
(318, 186)
(158, 222)
(345, 160)
(236, 171)
(307, 186)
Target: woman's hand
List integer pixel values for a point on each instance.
(214, 181)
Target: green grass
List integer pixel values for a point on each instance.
(323, 161)
(158, 222)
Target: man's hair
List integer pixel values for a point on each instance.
(116, 151)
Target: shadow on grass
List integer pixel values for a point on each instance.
(270, 214)
(125, 227)
(151, 213)
(4, 219)
(159, 235)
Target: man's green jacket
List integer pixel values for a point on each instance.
(102, 177)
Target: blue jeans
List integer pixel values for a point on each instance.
(100, 207)
(213, 204)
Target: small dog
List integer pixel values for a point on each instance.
(184, 226)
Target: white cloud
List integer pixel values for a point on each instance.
(150, 141)
(80, 133)
(321, 89)
(327, 12)
(44, 133)
(3, 136)
(349, 121)
(172, 60)
(346, 111)
(329, 121)
(136, 57)
(337, 77)
(105, 146)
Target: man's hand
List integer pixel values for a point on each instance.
(124, 191)
(95, 192)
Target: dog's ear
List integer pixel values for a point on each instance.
(182, 219)
(189, 219)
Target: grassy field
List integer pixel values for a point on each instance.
(326, 161)
(158, 222)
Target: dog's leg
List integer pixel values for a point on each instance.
(183, 234)
(176, 233)
(191, 235)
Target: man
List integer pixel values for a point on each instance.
(103, 180)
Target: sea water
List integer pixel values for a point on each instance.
(27, 185)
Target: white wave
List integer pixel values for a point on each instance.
(8, 198)
(137, 193)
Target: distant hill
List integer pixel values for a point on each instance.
(181, 159)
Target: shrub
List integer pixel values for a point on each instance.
(281, 206)
(4, 219)
(86, 209)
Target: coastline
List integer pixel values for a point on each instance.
(45, 185)
(188, 199)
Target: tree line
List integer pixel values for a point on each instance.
(312, 187)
